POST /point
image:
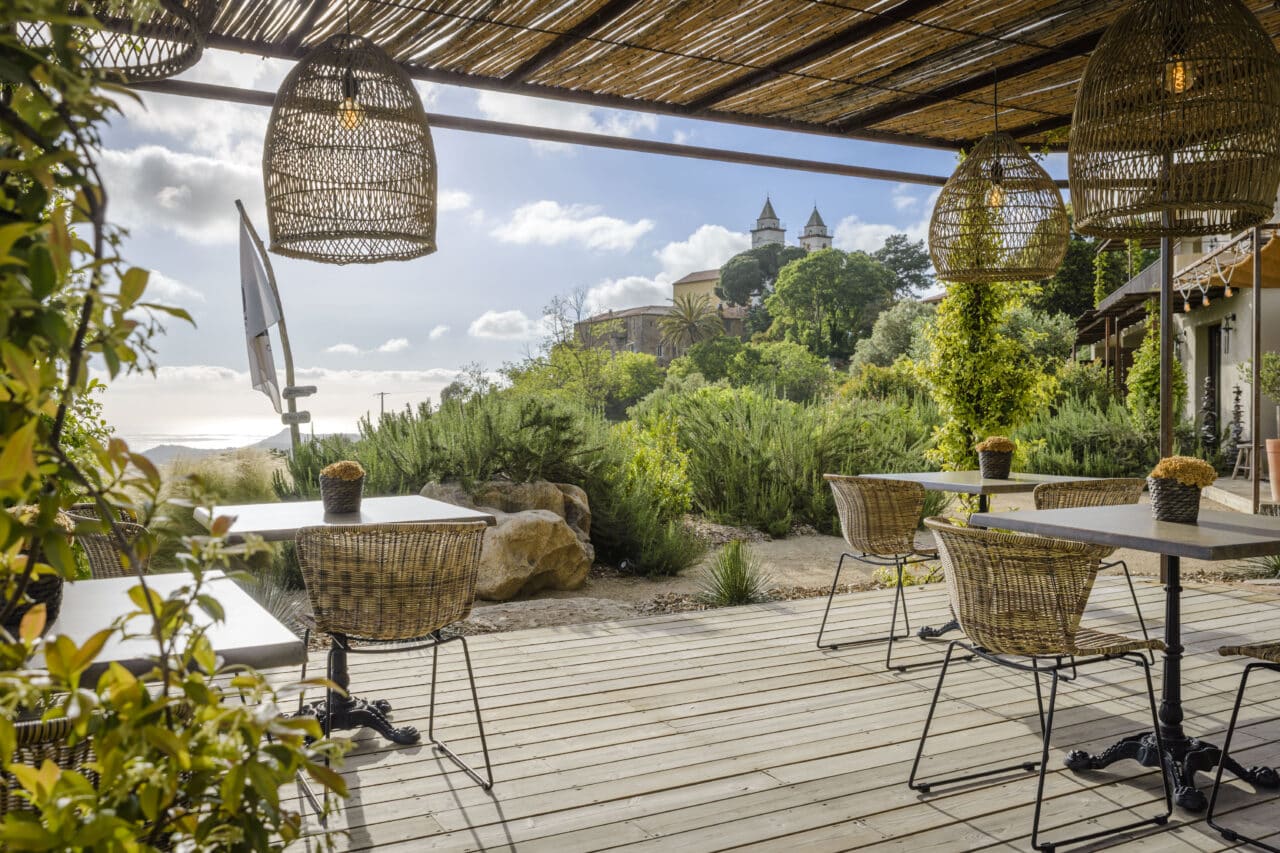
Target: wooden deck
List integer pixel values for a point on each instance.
(728, 729)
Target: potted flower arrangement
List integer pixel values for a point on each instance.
(1175, 485)
(341, 486)
(44, 587)
(995, 457)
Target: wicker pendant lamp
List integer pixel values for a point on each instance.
(999, 217)
(166, 42)
(1176, 130)
(349, 167)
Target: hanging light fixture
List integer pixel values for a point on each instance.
(1000, 217)
(168, 41)
(1176, 130)
(349, 166)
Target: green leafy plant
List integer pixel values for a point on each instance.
(736, 576)
(1144, 379)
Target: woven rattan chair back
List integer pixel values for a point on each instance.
(877, 516)
(91, 511)
(38, 741)
(106, 558)
(390, 581)
(1012, 593)
(1082, 493)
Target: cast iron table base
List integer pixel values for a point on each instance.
(350, 712)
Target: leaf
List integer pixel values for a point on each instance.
(17, 460)
(33, 622)
(132, 284)
(44, 278)
(92, 646)
(328, 777)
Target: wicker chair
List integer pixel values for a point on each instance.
(1264, 656)
(1110, 492)
(878, 519)
(38, 741)
(391, 588)
(106, 558)
(1019, 600)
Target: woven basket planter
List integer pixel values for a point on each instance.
(46, 590)
(1172, 501)
(995, 464)
(341, 496)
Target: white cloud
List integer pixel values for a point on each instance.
(902, 198)
(394, 345)
(438, 332)
(453, 200)
(542, 112)
(511, 325)
(152, 188)
(681, 137)
(343, 349)
(854, 234)
(170, 291)
(549, 223)
(706, 248)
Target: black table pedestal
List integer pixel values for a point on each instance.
(351, 712)
(1185, 756)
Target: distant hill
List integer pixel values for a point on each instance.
(162, 454)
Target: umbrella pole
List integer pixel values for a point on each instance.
(295, 438)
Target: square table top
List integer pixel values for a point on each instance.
(973, 483)
(250, 635)
(276, 522)
(1216, 535)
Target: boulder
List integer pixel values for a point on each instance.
(542, 539)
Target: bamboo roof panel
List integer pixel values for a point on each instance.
(900, 70)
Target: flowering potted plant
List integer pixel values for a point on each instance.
(45, 586)
(1175, 485)
(341, 486)
(995, 457)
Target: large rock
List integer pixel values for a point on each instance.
(541, 540)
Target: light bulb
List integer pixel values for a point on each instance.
(995, 197)
(1186, 306)
(1204, 300)
(350, 113)
(1179, 75)
(1228, 292)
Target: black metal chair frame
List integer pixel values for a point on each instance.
(434, 641)
(899, 563)
(1133, 593)
(1038, 666)
(1230, 834)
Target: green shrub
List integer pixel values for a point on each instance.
(736, 576)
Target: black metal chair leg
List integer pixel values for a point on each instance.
(306, 644)
(898, 596)
(1044, 763)
(1035, 673)
(485, 781)
(1133, 593)
(1230, 834)
(830, 597)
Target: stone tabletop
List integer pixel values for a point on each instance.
(1215, 536)
(277, 522)
(973, 483)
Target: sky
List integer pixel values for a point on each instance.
(520, 222)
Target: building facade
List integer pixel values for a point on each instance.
(640, 330)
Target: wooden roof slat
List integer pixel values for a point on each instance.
(597, 19)
(860, 31)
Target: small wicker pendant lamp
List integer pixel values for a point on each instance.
(349, 167)
(999, 217)
(167, 42)
(1176, 131)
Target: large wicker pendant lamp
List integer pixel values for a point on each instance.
(168, 41)
(999, 217)
(1176, 131)
(349, 167)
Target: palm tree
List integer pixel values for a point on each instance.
(692, 319)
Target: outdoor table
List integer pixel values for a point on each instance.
(1216, 536)
(249, 636)
(972, 483)
(278, 522)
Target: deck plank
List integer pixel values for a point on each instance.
(727, 729)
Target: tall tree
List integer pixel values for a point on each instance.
(828, 299)
(748, 276)
(1070, 290)
(692, 319)
(912, 269)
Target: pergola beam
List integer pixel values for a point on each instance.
(896, 109)
(588, 25)
(306, 25)
(595, 99)
(256, 97)
(1036, 128)
(861, 31)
